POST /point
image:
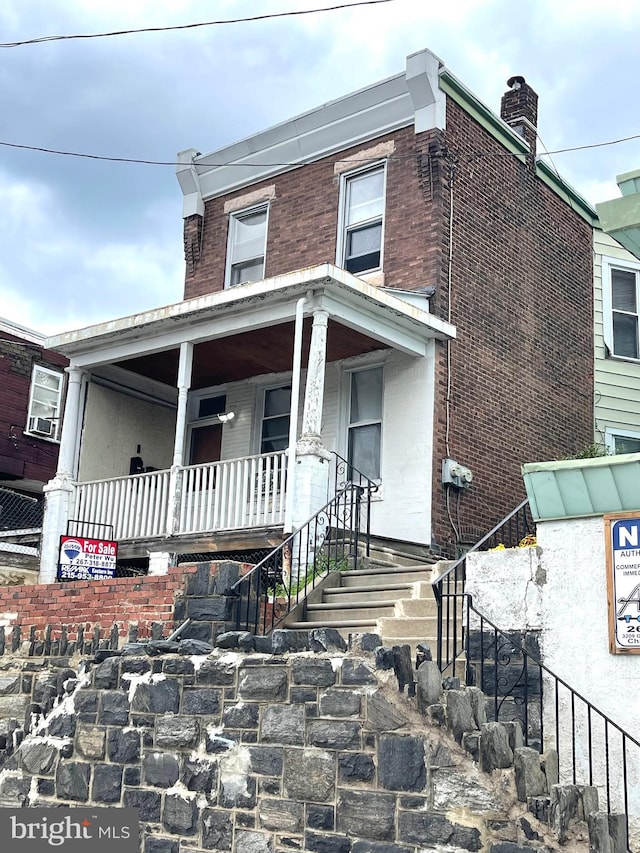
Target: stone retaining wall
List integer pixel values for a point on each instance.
(284, 750)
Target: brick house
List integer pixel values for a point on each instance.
(392, 279)
(32, 383)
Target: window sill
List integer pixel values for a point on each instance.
(625, 358)
(375, 278)
(41, 437)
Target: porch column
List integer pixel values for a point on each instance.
(60, 491)
(159, 563)
(312, 469)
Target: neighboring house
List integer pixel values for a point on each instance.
(31, 397)
(617, 313)
(433, 280)
(617, 346)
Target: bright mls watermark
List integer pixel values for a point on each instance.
(70, 830)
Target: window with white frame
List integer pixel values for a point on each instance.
(247, 245)
(621, 306)
(365, 421)
(362, 220)
(45, 402)
(274, 431)
(622, 442)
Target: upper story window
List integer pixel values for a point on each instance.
(45, 403)
(362, 220)
(247, 246)
(365, 421)
(621, 301)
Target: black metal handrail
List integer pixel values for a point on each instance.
(448, 588)
(344, 473)
(328, 541)
(592, 749)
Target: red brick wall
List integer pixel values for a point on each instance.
(124, 601)
(36, 458)
(522, 297)
(522, 281)
(303, 220)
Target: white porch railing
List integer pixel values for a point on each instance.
(230, 495)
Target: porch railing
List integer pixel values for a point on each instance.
(329, 541)
(592, 749)
(247, 492)
(137, 506)
(237, 493)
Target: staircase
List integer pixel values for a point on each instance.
(389, 595)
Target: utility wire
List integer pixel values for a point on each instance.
(252, 164)
(42, 39)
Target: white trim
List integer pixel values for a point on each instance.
(611, 433)
(55, 420)
(8, 327)
(608, 263)
(235, 217)
(341, 240)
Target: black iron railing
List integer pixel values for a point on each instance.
(506, 665)
(344, 474)
(448, 589)
(329, 541)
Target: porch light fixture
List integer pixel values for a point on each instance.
(226, 417)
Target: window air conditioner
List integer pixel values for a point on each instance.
(42, 426)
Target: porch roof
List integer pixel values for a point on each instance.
(348, 300)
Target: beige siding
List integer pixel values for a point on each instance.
(617, 382)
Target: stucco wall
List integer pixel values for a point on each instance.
(560, 588)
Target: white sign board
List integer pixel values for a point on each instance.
(622, 531)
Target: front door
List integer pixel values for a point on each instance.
(206, 438)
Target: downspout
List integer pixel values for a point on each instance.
(293, 419)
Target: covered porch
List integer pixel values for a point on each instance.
(210, 418)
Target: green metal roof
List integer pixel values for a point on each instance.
(574, 488)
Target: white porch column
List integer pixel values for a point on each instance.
(314, 393)
(185, 365)
(60, 491)
(312, 469)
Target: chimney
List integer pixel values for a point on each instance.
(519, 108)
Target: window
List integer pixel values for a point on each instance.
(246, 248)
(45, 403)
(621, 303)
(623, 442)
(274, 434)
(362, 218)
(365, 421)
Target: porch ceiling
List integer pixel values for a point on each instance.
(247, 354)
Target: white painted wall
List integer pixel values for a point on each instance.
(114, 425)
(560, 588)
(617, 381)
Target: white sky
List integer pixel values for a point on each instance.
(83, 241)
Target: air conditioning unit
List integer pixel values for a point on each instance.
(42, 426)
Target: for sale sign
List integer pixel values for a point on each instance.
(86, 559)
(622, 532)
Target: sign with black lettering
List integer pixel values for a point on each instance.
(86, 559)
(622, 541)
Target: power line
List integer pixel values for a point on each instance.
(193, 26)
(146, 162)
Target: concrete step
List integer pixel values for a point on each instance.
(420, 628)
(382, 577)
(345, 612)
(345, 626)
(416, 608)
(357, 594)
